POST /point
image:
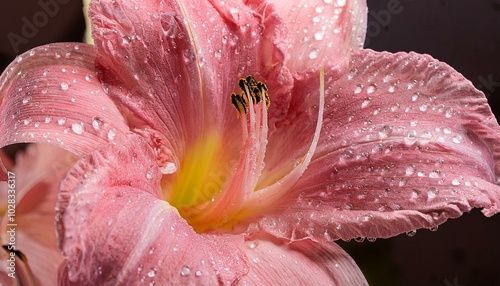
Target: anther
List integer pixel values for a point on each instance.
(252, 92)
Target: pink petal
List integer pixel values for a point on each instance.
(173, 65)
(51, 94)
(321, 33)
(114, 229)
(38, 172)
(407, 143)
(174, 72)
(274, 262)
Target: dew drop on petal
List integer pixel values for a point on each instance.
(253, 244)
(185, 271)
(457, 139)
(198, 273)
(169, 168)
(319, 35)
(411, 233)
(434, 174)
(432, 192)
(358, 89)
(97, 122)
(77, 127)
(359, 239)
(61, 121)
(365, 102)
(139, 268)
(64, 86)
(411, 137)
(152, 272)
(26, 99)
(111, 134)
(314, 54)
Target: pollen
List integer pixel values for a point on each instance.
(252, 92)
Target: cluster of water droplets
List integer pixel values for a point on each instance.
(38, 96)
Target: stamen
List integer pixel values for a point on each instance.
(265, 198)
(251, 162)
(252, 92)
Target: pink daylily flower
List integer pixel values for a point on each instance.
(37, 174)
(175, 186)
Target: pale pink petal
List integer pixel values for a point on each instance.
(51, 94)
(174, 71)
(38, 172)
(115, 230)
(407, 143)
(274, 262)
(321, 32)
(14, 270)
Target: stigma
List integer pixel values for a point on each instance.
(252, 92)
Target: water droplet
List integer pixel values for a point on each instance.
(371, 239)
(139, 268)
(319, 35)
(449, 113)
(169, 168)
(253, 244)
(414, 97)
(366, 102)
(455, 182)
(385, 132)
(411, 233)
(457, 139)
(359, 239)
(64, 86)
(61, 121)
(185, 271)
(411, 137)
(414, 194)
(434, 174)
(111, 134)
(126, 40)
(149, 174)
(434, 228)
(26, 99)
(314, 54)
(432, 192)
(152, 272)
(358, 89)
(371, 88)
(97, 122)
(218, 54)
(198, 273)
(77, 127)
(256, 260)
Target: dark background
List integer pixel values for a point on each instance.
(462, 33)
